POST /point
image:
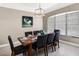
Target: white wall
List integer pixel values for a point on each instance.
(11, 24)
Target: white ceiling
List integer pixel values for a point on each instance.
(30, 7)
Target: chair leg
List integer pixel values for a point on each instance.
(52, 47)
(36, 51)
(12, 54)
(46, 50)
(58, 45)
(24, 53)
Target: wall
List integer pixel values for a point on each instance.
(69, 8)
(11, 24)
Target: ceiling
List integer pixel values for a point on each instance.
(30, 7)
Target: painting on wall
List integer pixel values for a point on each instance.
(27, 21)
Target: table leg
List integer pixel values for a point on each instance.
(30, 50)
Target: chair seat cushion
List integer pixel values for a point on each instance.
(20, 49)
(34, 46)
(49, 42)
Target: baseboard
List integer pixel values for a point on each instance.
(70, 43)
(7, 45)
(4, 45)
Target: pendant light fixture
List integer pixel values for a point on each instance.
(39, 11)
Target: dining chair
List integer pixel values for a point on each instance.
(50, 38)
(56, 37)
(36, 33)
(40, 43)
(18, 49)
(42, 32)
(28, 33)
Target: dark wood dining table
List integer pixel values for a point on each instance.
(28, 41)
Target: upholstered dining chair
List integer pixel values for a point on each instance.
(50, 38)
(40, 43)
(38, 32)
(16, 50)
(56, 37)
(28, 33)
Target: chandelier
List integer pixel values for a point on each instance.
(39, 11)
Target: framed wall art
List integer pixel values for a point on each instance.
(27, 21)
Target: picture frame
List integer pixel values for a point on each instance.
(27, 21)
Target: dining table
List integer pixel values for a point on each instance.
(28, 41)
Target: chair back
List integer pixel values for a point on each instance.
(38, 32)
(57, 34)
(35, 33)
(57, 31)
(28, 33)
(42, 32)
(41, 41)
(50, 38)
(10, 42)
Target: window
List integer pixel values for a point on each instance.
(61, 24)
(73, 24)
(50, 23)
(67, 23)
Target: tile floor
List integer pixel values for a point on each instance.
(64, 50)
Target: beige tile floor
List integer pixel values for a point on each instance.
(64, 50)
